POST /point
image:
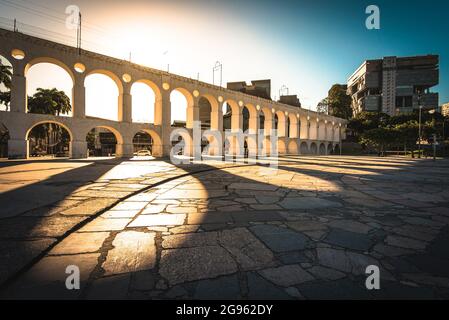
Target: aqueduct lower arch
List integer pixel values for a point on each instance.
(297, 127)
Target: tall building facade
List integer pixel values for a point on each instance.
(445, 109)
(395, 85)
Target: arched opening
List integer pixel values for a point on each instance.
(313, 148)
(261, 121)
(49, 86)
(322, 149)
(330, 149)
(292, 126)
(48, 139)
(232, 122)
(181, 143)
(205, 113)
(268, 122)
(102, 142)
(245, 119)
(103, 90)
(280, 124)
(293, 147)
(6, 72)
(143, 94)
(181, 102)
(142, 144)
(336, 149)
(303, 148)
(4, 137)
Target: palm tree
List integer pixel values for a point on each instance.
(54, 102)
(49, 101)
(5, 80)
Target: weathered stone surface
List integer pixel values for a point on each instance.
(102, 224)
(158, 220)
(190, 264)
(308, 203)
(246, 249)
(14, 255)
(190, 240)
(280, 239)
(326, 273)
(152, 209)
(307, 225)
(333, 290)
(261, 289)
(46, 279)
(80, 243)
(350, 225)
(133, 251)
(349, 240)
(407, 243)
(32, 227)
(286, 276)
(89, 207)
(349, 262)
(110, 288)
(222, 288)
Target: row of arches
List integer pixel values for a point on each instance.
(104, 92)
(56, 139)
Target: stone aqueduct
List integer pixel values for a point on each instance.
(308, 133)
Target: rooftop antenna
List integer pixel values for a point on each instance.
(217, 67)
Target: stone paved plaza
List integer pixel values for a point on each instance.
(153, 230)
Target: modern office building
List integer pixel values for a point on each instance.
(445, 109)
(258, 88)
(395, 85)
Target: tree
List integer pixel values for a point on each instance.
(379, 138)
(5, 80)
(323, 106)
(339, 102)
(365, 121)
(49, 101)
(407, 133)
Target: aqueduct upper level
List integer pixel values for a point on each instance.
(298, 130)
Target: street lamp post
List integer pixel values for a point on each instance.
(419, 125)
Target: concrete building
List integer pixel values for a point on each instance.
(395, 85)
(291, 100)
(257, 88)
(445, 109)
(299, 131)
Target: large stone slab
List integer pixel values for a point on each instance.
(246, 249)
(190, 264)
(222, 288)
(133, 251)
(261, 289)
(351, 226)
(286, 276)
(346, 261)
(158, 220)
(14, 255)
(46, 279)
(280, 239)
(80, 243)
(308, 203)
(349, 240)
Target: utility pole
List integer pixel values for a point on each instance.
(78, 34)
(15, 25)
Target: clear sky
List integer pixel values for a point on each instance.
(305, 45)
